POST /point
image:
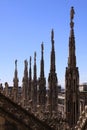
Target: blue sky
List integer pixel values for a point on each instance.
(24, 24)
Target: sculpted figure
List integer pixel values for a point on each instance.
(26, 63)
(72, 13)
(15, 63)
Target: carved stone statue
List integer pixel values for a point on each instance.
(42, 47)
(26, 63)
(72, 13)
(16, 64)
(35, 56)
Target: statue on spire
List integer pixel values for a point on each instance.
(72, 13)
(52, 39)
(26, 63)
(52, 34)
(16, 63)
(42, 47)
(30, 60)
(34, 57)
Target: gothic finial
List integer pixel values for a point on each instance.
(16, 64)
(52, 35)
(15, 80)
(52, 39)
(42, 47)
(26, 63)
(34, 57)
(72, 12)
(30, 71)
(30, 60)
(72, 57)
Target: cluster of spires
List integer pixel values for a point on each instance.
(34, 90)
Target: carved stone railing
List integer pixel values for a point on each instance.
(21, 116)
(82, 122)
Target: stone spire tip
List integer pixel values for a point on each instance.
(34, 57)
(42, 47)
(72, 12)
(16, 64)
(52, 35)
(30, 60)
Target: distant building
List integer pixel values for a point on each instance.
(83, 87)
(61, 104)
